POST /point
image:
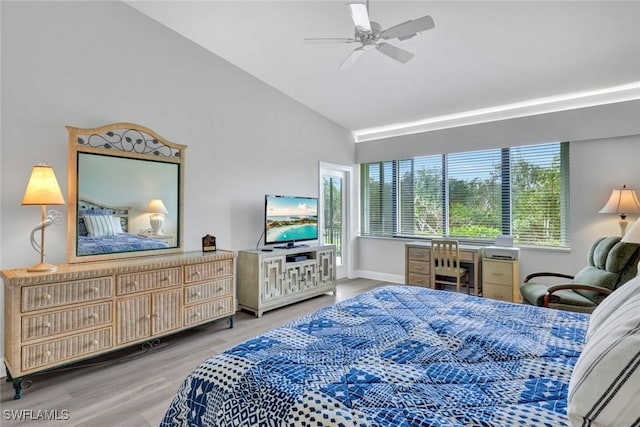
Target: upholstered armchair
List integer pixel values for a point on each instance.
(611, 263)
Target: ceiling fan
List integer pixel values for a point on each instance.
(369, 34)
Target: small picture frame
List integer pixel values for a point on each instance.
(209, 243)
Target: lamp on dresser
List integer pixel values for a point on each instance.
(157, 209)
(623, 201)
(43, 189)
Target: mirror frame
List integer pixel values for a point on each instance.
(112, 140)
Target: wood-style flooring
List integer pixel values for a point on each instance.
(137, 391)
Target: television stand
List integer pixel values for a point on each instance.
(269, 280)
(291, 245)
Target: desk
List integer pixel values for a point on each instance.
(418, 263)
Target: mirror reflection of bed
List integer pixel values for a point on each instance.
(116, 174)
(104, 229)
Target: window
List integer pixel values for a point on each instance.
(475, 196)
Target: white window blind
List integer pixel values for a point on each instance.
(471, 196)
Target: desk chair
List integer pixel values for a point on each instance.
(445, 265)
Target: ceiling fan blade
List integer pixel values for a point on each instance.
(360, 17)
(352, 58)
(328, 40)
(408, 29)
(394, 52)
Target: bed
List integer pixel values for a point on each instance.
(104, 229)
(394, 356)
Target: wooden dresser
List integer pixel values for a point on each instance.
(83, 310)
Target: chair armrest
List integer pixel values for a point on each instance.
(547, 274)
(573, 286)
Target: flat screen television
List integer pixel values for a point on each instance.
(290, 219)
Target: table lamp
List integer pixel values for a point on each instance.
(623, 201)
(43, 189)
(157, 210)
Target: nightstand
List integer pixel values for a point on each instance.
(169, 239)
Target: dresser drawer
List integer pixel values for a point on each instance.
(48, 324)
(209, 270)
(419, 279)
(420, 267)
(499, 292)
(64, 293)
(148, 280)
(420, 254)
(208, 290)
(208, 311)
(65, 349)
(497, 272)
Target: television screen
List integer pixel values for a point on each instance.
(290, 219)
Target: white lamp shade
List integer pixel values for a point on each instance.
(633, 235)
(622, 201)
(43, 188)
(156, 206)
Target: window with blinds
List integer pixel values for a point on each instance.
(473, 196)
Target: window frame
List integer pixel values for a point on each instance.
(555, 154)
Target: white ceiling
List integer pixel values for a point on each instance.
(480, 55)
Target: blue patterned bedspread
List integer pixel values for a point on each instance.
(119, 243)
(394, 356)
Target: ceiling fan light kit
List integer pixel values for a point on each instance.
(369, 33)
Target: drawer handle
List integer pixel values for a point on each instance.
(155, 315)
(134, 283)
(495, 273)
(196, 273)
(166, 278)
(197, 294)
(94, 316)
(47, 297)
(221, 289)
(94, 290)
(198, 314)
(46, 325)
(47, 354)
(220, 269)
(94, 343)
(418, 267)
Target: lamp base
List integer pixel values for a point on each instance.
(42, 268)
(623, 226)
(157, 223)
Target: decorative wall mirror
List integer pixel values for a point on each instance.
(125, 193)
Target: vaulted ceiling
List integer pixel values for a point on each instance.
(482, 57)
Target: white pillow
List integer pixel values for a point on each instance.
(604, 389)
(117, 225)
(99, 225)
(611, 304)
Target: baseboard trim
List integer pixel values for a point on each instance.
(376, 275)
